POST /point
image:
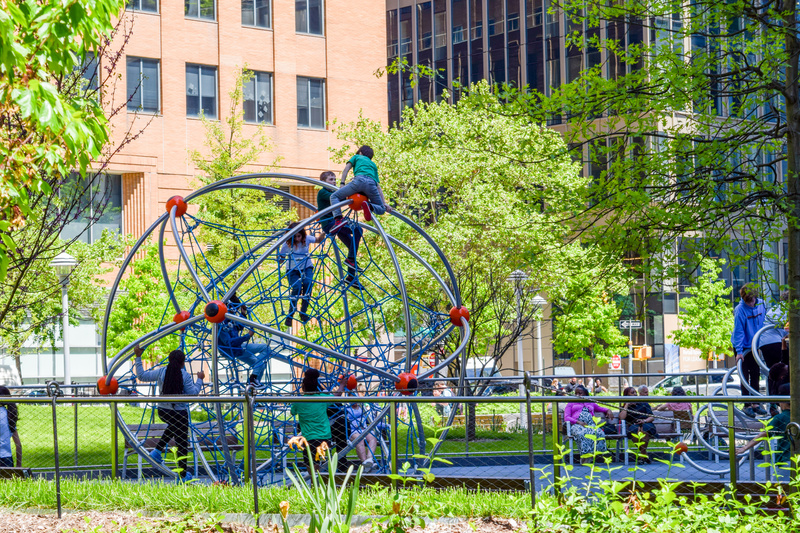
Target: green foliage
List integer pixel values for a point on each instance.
(331, 507)
(142, 306)
(491, 188)
(31, 307)
(706, 318)
(45, 132)
(586, 318)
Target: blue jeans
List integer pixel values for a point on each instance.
(300, 285)
(364, 185)
(252, 354)
(351, 239)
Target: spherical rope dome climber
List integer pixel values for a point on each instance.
(347, 329)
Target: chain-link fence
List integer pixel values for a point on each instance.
(537, 442)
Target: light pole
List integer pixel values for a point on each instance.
(64, 264)
(518, 277)
(539, 302)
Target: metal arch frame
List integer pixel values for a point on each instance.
(232, 182)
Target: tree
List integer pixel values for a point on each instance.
(45, 131)
(691, 126)
(142, 306)
(491, 188)
(66, 207)
(706, 319)
(586, 317)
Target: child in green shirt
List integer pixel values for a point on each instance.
(365, 182)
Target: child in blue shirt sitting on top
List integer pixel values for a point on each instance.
(365, 182)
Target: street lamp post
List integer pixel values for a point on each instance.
(518, 277)
(540, 302)
(64, 264)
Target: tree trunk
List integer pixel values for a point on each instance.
(16, 353)
(469, 424)
(793, 183)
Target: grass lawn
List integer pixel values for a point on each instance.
(192, 498)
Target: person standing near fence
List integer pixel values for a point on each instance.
(313, 416)
(748, 318)
(9, 414)
(172, 380)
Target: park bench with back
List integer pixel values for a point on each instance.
(201, 435)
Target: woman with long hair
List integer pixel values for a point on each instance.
(313, 416)
(299, 270)
(639, 420)
(173, 380)
(9, 414)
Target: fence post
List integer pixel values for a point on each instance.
(556, 443)
(732, 448)
(54, 391)
(531, 461)
(393, 441)
(75, 414)
(114, 442)
(250, 455)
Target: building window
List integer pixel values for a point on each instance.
(256, 13)
(143, 86)
(89, 72)
(200, 9)
(99, 206)
(311, 103)
(201, 91)
(258, 98)
(150, 6)
(308, 16)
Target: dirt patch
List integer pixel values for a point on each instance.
(113, 522)
(108, 522)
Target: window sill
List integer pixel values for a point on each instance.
(141, 12)
(146, 113)
(198, 19)
(265, 124)
(310, 128)
(316, 35)
(252, 27)
(200, 119)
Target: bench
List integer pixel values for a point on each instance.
(670, 426)
(488, 422)
(9, 472)
(200, 435)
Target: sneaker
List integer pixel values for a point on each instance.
(367, 211)
(338, 224)
(288, 321)
(187, 478)
(304, 317)
(748, 411)
(368, 465)
(759, 410)
(253, 380)
(155, 455)
(351, 264)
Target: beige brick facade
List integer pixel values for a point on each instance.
(156, 165)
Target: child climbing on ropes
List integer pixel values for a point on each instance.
(350, 238)
(365, 181)
(299, 270)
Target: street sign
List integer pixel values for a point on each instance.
(630, 324)
(616, 362)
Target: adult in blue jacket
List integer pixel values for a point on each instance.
(235, 346)
(748, 318)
